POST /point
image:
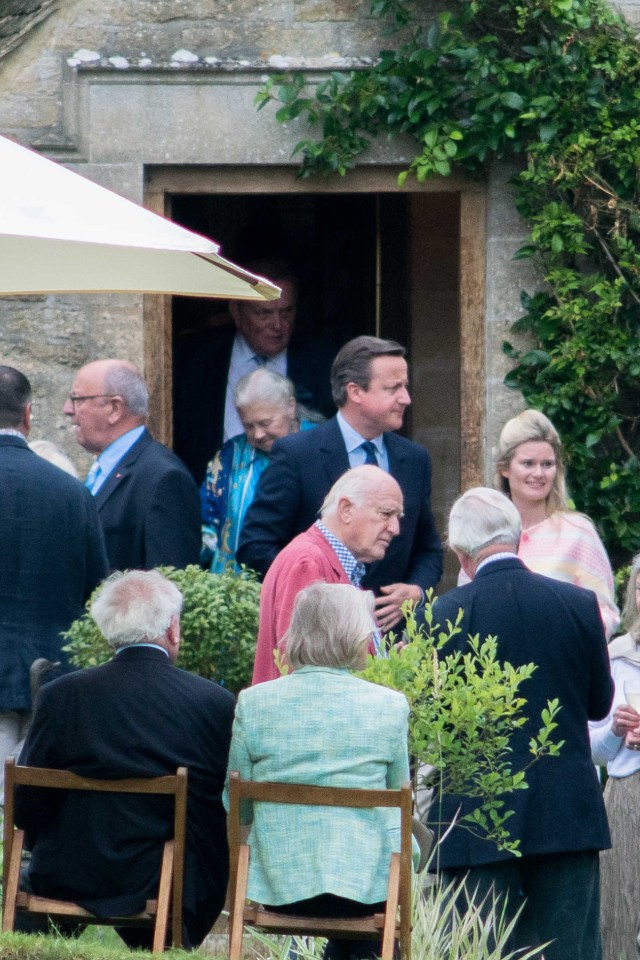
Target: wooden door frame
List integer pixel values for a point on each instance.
(162, 182)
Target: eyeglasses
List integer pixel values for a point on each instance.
(94, 396)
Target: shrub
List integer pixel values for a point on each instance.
(219, 624)
(463, 709)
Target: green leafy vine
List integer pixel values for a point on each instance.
(555, 86)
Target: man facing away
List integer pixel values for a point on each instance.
(135, 716)
(52, 558)
(359, 518)
(370, 388)
(148, 503)
(559, 819)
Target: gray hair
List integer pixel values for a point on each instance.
(353, 364)
(124, 381)
(263, 386)
(331, 626)
(480, 518)
(356, 485)
(135, 607)
(630, 611)
(531, 426)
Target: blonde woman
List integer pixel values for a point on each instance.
(556, 541)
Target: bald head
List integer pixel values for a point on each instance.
(108, 398)
(363, 510)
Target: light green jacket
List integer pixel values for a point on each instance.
(321, 726)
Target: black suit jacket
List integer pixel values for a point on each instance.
(52, 558)
(200, 388)
(149, 509)
(556, 626)
(136, 716)
(304, 467)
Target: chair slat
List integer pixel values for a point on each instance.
(170, 886)
(385, 925)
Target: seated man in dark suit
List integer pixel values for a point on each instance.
(209, 363)
(136, 716)
(560, 818)
(147, 501)
(369, 384)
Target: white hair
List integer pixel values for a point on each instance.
(355, 485)
(135, 607)
(53, 454)
(331, 626)
(480, 518)
(263, 386)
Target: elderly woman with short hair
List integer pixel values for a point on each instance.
(268, 410)
(320, 725)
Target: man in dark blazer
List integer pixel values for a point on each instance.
(369, 383)
(136, 716)
(52, 558)
(560, 819)
(209, 363)
(147, 501)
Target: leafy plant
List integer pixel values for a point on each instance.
(439, 932)
(553, 85)
(219, 625)
(463, 710)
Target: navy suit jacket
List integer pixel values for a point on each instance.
(200, 389)
(135, 716)
(149, 509)
(556, 626)
(304, 467)
(52, 558)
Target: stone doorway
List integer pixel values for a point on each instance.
(408, 265)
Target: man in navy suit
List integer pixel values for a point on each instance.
(147, 501)
(135, 716)
(559, 819)
(210, 362)
(369, 384)
(52, 558)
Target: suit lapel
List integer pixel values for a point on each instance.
(121, 470)
(334, 460)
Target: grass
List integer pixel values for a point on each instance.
(439, 933)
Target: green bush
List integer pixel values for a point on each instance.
(219, 625)
(463, 710)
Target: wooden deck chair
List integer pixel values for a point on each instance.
(386, 925)
(157, 912)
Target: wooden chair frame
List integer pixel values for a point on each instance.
(170, 888)
(384, 924)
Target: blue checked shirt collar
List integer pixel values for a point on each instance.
(352, 567)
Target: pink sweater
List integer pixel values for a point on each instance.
(305, 560)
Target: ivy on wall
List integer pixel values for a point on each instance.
(554, 85)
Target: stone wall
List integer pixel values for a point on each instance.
(85, 87)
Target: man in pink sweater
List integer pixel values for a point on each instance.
(358, 520)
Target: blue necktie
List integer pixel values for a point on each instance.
(92, 476)
(370, 450)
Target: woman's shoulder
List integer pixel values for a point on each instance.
(571, 521)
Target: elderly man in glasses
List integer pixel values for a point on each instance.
(147, 501)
